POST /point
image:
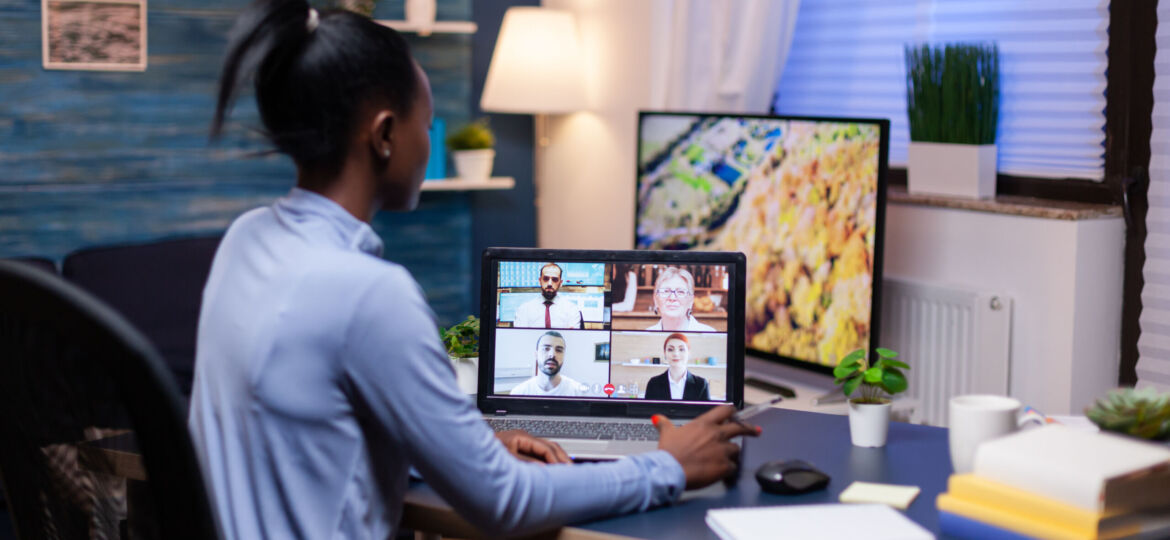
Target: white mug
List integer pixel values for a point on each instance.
(978, 418)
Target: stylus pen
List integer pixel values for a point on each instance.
(758, 408)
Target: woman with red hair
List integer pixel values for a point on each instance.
(677, 382)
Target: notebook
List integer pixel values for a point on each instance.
(583, 346)
(815, 521)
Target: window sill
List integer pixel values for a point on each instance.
(1009, 205)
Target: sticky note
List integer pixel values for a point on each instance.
(896, 496)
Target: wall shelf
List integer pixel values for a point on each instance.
(456, 184)
(438, 27)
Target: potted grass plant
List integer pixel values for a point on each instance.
(471, 148)
(952, 101)
(462, 343)
(869, 412)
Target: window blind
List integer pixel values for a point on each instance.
(1153, 367)
(847, 59)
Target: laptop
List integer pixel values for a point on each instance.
(582, 346)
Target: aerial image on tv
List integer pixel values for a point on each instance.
(797, 197)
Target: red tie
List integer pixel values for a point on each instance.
(547, 314)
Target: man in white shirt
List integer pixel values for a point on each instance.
(550, 310)
(548, 381)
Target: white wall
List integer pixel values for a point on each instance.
(1064, 276)
(585, 177)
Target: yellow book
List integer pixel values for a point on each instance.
(992, 494)
(1011, 521)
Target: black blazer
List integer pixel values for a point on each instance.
(696, 388)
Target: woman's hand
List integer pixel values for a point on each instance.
(703, 446)
(529, 448)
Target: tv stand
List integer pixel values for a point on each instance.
(832, 396)
(771, 387)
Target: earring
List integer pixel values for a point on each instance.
(386, 153)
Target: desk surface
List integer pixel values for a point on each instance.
(914, 455)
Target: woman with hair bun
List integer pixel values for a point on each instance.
(320, 380)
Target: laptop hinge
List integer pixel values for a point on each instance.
(501, 412)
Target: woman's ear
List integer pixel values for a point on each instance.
(382, 134)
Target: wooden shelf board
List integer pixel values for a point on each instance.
(439, 27)
(456, 184)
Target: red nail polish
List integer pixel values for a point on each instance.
(759, 430)
(654, 420)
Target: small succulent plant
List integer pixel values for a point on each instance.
(1141, 413)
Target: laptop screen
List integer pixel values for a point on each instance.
(620, 332)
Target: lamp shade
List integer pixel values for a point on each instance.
(536, 67)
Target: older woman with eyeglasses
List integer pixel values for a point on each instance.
(674, 297)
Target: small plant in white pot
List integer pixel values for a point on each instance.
(471, 148)
(952, 101)
(462, 343)
(869, 413)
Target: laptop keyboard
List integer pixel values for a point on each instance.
(624, 431)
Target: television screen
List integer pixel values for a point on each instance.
(802, 198)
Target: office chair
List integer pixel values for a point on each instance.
(157, 286)
(71, 371)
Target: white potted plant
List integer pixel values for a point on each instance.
(952, 101)
(471, 148)
(869, 413)
(462, 343)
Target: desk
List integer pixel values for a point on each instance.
(914, 455)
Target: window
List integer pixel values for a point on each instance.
(847, 60)
(1153, 366)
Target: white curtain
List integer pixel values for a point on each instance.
(719, 55)
(1153, 367)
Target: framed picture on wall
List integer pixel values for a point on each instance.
(101, 35)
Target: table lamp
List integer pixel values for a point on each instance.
(536, 66)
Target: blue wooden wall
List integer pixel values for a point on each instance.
(94, 158)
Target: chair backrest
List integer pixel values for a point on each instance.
(73, 370)
(158, 286)
(40, 263)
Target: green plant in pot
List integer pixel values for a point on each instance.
(1141, 413)
(869, 413)
(462, 343)
(471, 149)
(952, 103)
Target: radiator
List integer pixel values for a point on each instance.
(957, 341)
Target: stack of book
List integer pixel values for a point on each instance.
(1057, 482)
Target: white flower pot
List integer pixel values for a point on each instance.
(869, 423)
(466, 373)
(955, 170)
(474, 164)
(420, 13)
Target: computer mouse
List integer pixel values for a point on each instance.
(790, 477)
